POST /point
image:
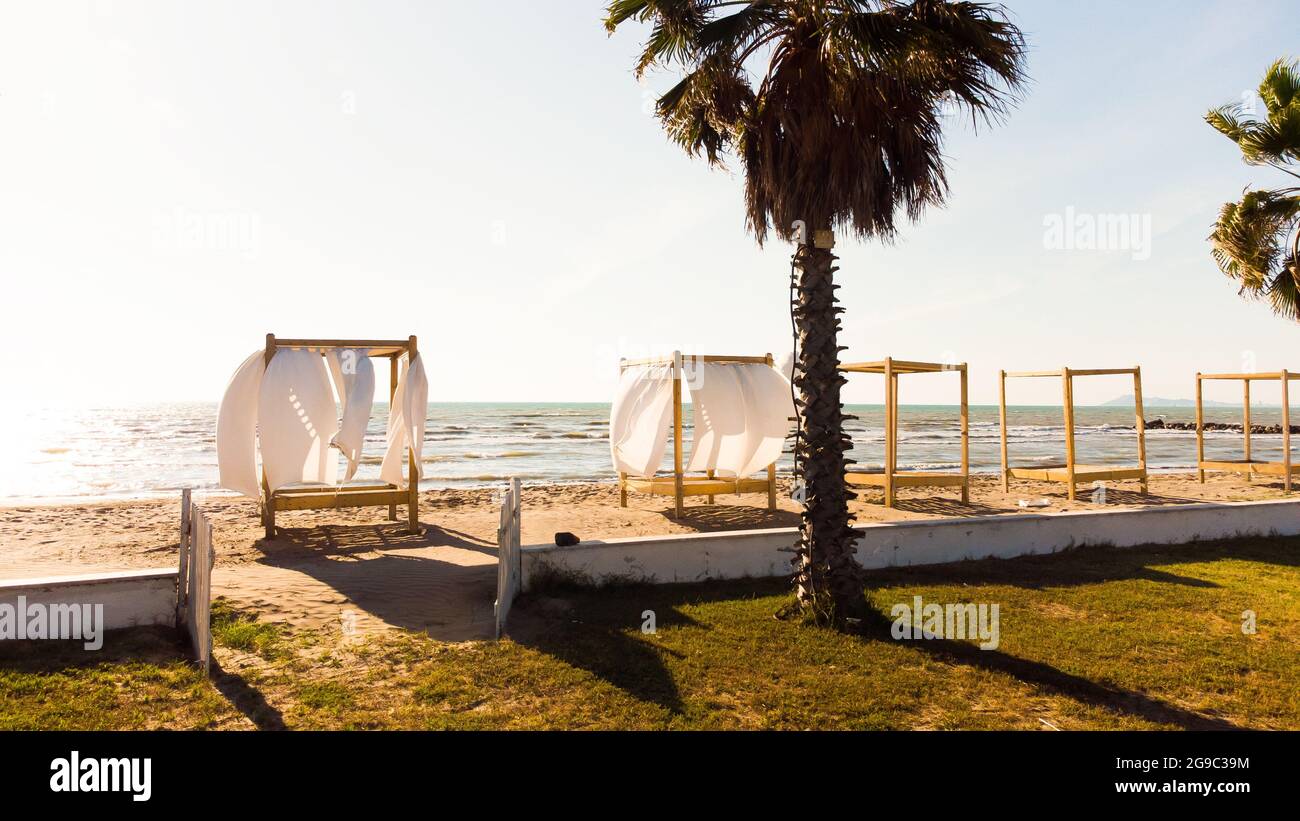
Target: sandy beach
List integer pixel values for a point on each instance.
(324, 566)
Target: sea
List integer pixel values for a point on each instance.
(76, 455)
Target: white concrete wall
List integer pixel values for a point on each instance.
(761, 553)
(666, 559)
(130, 598)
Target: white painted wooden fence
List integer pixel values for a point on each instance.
(194, 582)
(508, 562)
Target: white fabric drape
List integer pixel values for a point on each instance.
(406, 419)
(354, 382)
(237, 428)
(785, 365)
(640, 417)
(741, 417)
(296, 420)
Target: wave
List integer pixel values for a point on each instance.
(509, 454)
(484, 477)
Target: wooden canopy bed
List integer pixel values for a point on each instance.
(1071, 472)
(889, 478)
(1285, 468)
(370, 494)
(679, 484)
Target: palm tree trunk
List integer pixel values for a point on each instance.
(828, 580)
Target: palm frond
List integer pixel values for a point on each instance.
(1226, 119)
(1254, 243)
(705, 112)
(1275, 139)
(1281, 85)
(844, 127)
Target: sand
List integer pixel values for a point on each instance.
(325, 567)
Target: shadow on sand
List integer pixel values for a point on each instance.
(941, 506)
(713, 518)
(412, 581)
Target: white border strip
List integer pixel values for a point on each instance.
(767, 553)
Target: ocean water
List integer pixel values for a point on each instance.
(149, 450)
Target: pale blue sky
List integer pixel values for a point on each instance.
(178, 178)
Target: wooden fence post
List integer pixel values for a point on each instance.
(509, 567)
(182, 570)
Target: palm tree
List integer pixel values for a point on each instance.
(1257, 240)
(834, 108)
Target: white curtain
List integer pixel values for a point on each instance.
(406, 419)
(640, 418)
(741, 417)
(297, 420)
(237, 428)
(785, 365)
(354, 382)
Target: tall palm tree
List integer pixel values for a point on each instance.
(1257, 240)
(834, 108)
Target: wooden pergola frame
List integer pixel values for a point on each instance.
(1248, 466)
(680, 485)
(890, 479)
(1072, 472)
(317, 498)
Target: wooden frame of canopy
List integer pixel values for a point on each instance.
(1248, 465)
(1071, 472)
(679, 485)
(321, 498)
(890, 479)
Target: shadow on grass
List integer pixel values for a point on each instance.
(599, 631)
(246, 698)
(877, 628)
(154, 645)
(1094, 565)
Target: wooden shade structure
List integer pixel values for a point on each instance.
(1248, 465)
(889, 479)
(1071, 472)
(679, 485)
(368, 495)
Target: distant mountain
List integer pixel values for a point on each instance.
(1126, 401)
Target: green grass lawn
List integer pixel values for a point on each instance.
(1094, 638)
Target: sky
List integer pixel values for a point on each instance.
(177, 179)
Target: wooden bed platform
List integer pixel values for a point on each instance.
(1248, 466)
(890, 478)
(908, 478)
(1071, 472)
(695, 485)
(1082, 473)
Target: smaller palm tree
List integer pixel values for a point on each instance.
(1257, 240)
